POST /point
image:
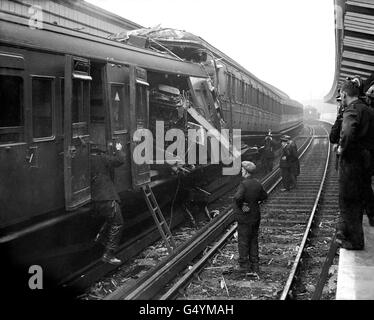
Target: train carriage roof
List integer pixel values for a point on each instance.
(180, 38)
(16, 32)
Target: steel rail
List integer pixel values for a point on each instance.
(173, 291)
(287, 287)
(183, 281)
(325, 270)
(150, 286)
(147, 288)
(84, 277)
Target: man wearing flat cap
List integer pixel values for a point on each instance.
(247, 212)
(289, 163)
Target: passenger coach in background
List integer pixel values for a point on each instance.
(311, 113)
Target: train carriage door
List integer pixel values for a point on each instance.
(139, 111)
(118, 100)
(76, 132)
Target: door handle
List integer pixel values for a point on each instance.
(31, 157)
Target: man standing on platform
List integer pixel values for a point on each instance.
(247, 212)
(355, 148)
(368, 191)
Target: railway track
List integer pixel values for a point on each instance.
(148, 286)
(291, 255)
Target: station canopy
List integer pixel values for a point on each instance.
(354, 43)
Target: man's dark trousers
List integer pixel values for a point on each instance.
(111, 231)
(287, 178)
(351, 199)
(248, 229)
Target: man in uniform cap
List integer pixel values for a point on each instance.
(356, 145)
(247, 212)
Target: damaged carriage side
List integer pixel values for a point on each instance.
(183, 108)
(241, 99)
(93, 91)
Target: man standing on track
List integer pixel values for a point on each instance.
(247, 211)
(355, 148)
(287, 163)
(268, 153)
(106, 199)
(294, 162)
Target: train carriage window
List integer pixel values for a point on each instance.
(120, 103)
(240, 91)
(80, 101)
(250, 94)
(233, 88)
(228, 85)
(42, 100)
(267, 104)
(255, 97)
(62, 105)
(11, 109)
(247, 92)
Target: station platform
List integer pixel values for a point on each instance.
(356, 270)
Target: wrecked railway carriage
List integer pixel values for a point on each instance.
(247, 103)
(94, 90)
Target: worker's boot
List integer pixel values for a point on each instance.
(255, 268)
(110, 258)
(244, 267)
(114, 236)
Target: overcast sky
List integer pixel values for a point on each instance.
(288, 43)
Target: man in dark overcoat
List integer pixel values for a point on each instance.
(285, 164)
(247, 212)
(268, 153)
(293, 158)
(355, 148)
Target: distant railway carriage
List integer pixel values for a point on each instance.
(311, 113)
